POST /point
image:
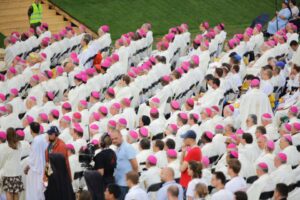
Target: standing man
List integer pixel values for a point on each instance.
(35, 14)
(126, 160)
(36, 164)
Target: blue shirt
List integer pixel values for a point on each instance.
(125, 153)
(162, 193)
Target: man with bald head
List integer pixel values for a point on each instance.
(126, 160)
(167, 176)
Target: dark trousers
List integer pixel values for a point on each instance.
(124, 190)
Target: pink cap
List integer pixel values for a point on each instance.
(195, 116)
(183, 115)
(205, 161)
(215, 108)
(43, 56)
(94, 127)
(230, 107)
(55, 113)
(294, 109)
(185, 66)
(42, 129)
(66, 118)
(195, 59)
(103, 110)
(3, 109)
(66, 105)
(90, 71)
(115, 57)
(231, 146)
(288, 137)
(111, 91)
(155, 100)
(234, 154)
(104, 28)
(219, 127)
(35, 77)
(2, 97)
(205, 25)
(288, 127)
(95, 142)
(153, 111)
(282, 156)
(14, 91)
(175, 105)
(209, 134)
(166, 78)
(173, 127)
(271, 144)
(266, 116)
(258, 27)
(116, 106)
(263, 165)
(180, 71)
(208, 111)
(152, 159)
(170, 36)
(29, 119)
(20, 133)
(77, 127)
(133, 134)
(249, 31)
(83, 103)
(50, 95)
(296, 126)
(190, 102)
(112, 123)
(126, 101)
(255, 83)
(96, 116)
(43, 116)
(77, 115)
(70, 147)
(239, 131)
(144, 132)
(2, 135)
(122, 121)
(172, 153)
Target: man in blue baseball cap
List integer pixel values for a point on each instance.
(190, 151)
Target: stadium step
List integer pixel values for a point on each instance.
(13, 17)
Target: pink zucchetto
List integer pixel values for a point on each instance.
(195, 59)
(219, 127)
(126, 101)
(77, 115)
(294, 109)
(230, 107)
(262, 165)
(208, 111)
(103, 110)
(122, 121)
(116, 106)
(115, 57)
(288, 138)
(35, 77)
(106, 63)
(60, 70)
(14, 91)
(96, 116)
(270, 144)
(190, 102)
(155, 100)
(43, 116)
(84, 103)
(77, 128)
(215, 109)
(95, 142)
(111, 91)
(209, 134)
(282, 156)
(29, 119)
(205, 161)
(239, 131)
(175, 105)
(173, 127)
(55, 113)
(2, 97)
(144, 132)
(95, 94)
(231, 146)
(166, 78)
(172, 153)
(66, 105)
(258, 27)
(2, 135)
(50, 95)
(195, 116)
(255, 83)
(20, 133)
(94, 127)
(104, 28)
(234, 154)
(153, 111)
(205, 25)
(112, 123)
(70, 147)
(66, 118)
(133, 134)
(183, 115)
(296, 125)
(152, 159)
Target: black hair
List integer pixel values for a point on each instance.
(170, 143)
(248, 138)
(240, 195)
(261, 129)
(146, 120)
(216, 81)
(293, 43)
(220, 176)
(145, 143)
(282, 189)
(35, 127)
(114, 189)
(160, 144)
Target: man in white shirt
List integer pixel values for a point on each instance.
(236, 182)
(160, 153)
(287, 147)
(218, 181)
(283, 173)
(135, 191)
(151, 175)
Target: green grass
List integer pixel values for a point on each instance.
(2, 37)
(126, 15)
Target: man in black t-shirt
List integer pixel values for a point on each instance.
(106, 161)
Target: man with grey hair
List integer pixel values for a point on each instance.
(251, 124)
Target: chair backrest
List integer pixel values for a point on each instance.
(154, 187)
(266, 195)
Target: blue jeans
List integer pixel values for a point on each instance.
(124, 190)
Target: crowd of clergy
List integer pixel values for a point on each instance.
(208, 117)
